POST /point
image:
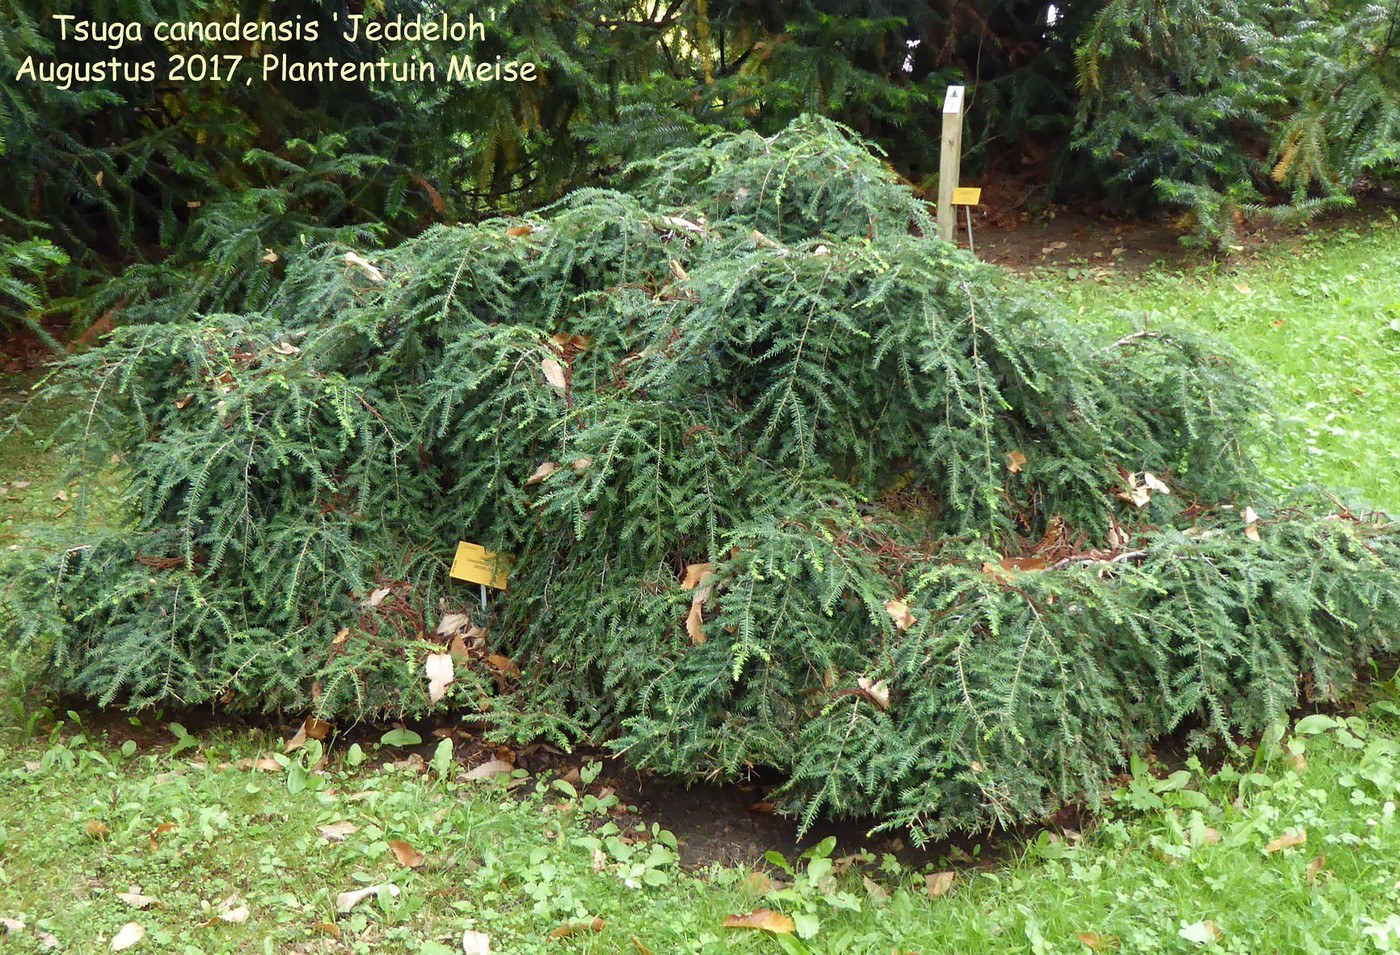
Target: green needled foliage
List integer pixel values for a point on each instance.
(789, 485)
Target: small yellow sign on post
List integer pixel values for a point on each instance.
(967, 195)
(477, 565)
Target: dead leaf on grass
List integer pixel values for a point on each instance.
(765, 920)
(1096, 942)
(326, 928)
(130, 934)
(760, 883)
(1287, 841)
(487, 770)
(877, 892)
(405, 853)
(337, 831)
(96, 829)
(578, 928)
(476, 943)
(1315, 867)
(135, 899)
(311, 728)
(938, 883)
(346, 901)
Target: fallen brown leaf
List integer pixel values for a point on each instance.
(130, 934)
(135, 899)
(346, 901)
(578, 928)
(476, 943)
(159, 831)
(760, 883)
(326, 928)
(765, 920)
(405, 853)
(938, 883)
(311, 728)
(96, 829)
(487, 770)
(337, 831)
(1015, 461)
(1315, 867)
(1287, 840)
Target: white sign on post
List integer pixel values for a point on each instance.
(950, 161)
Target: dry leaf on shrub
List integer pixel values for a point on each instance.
(697, 578)
(877, 692)
(541, 472)
(1015, 461)
(453, 622)
(439, 671)
(1251, 524)
(553, 373)
(764, 920)
(899, 613)
(363, 264)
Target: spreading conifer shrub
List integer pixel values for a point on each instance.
(790, 486)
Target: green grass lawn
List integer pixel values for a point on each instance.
(1321, 320)
(219, 842)
(1290, 848)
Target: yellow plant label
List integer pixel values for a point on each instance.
(475, 564)
(967, 195)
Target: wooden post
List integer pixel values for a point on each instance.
(949, 162)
